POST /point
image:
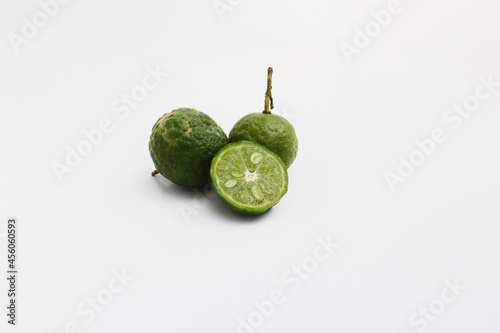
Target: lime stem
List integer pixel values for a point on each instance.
(269, 97)
(154, 173)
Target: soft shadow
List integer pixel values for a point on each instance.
(215, 204)
(170, 189)
(230, 215)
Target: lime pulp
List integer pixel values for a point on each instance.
(248, 177)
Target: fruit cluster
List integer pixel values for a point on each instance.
(248, 170)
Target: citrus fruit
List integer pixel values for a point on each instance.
(182, 145)
(272, 131)
(248, 177)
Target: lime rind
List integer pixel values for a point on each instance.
(182, 145)
(248, 177)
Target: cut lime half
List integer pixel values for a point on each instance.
(248, 177)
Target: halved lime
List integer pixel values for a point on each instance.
(248, 177)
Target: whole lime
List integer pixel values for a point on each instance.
(271, 131)
(182, 145)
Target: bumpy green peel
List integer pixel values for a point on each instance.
(182, 145)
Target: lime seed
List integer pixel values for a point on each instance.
(237, 174)
(257, 193)
(256, 158)
(230, 183)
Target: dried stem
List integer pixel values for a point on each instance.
(269, 97)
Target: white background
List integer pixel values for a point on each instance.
(200, 271)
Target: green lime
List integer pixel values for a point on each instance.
(272, 131)
(182, 145)
(248, 177)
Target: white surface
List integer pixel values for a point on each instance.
(397, 249)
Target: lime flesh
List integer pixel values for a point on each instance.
(248, 177)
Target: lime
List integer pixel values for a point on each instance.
(248, 177)
(182, 145)
(272, 131)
